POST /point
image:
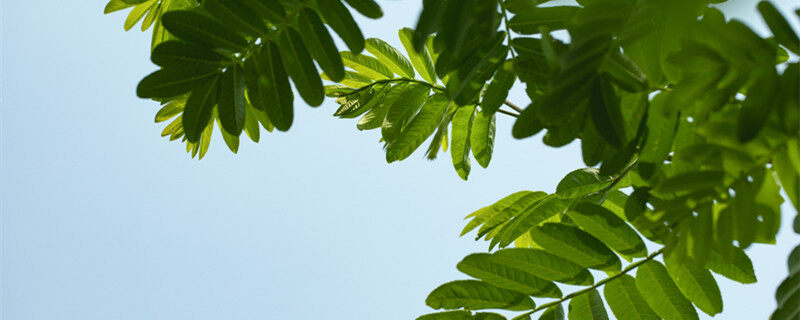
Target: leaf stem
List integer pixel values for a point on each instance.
(506, 112)
(598, 284)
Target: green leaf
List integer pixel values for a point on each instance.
(320, 44)
(235, 14)
(787, 295)
(575, 245)
(186, 55)
(588, 305)
(374, 118)
(555, 312)
(271, 11)
(403, 109)
(779, 26)
(357, 103)
(624, 71)
(661, 294)
(251, 125)
(552, 18)
(604, 107)
(459, 146)
(205, 140)
(421, 60)
(268, 86)
(199, 107)
(339, 19)
(582, 182)
(505, 209)
(369, 8)
(116, 5)
(467, 81)
(173, 127)
(232, 101)
(454, 21)
(531, 216)
(448, 315)
(739, 268)
(497, 91)
(482, 138)
(761, 99)
(194, 27)
(421, 126)
(474, 295)
(661, 129)
(170, 110)
(625, 300)
(610, 229)
(230, 140)
(150, 18)
(168, 83)
(696, 283)
(690, 182)
(351, 79)
(488, 316)
(300, 67)
(543, 265)
(483, 267)
(137, 13)
(366, 65)
(391, 57)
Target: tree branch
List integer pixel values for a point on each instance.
(513, 106)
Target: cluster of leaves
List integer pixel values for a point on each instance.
(688, 124)
(697, 115)
(408, 111)
(230, 61)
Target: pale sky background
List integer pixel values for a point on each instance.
(103, 219)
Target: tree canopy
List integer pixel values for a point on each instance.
(688, 124)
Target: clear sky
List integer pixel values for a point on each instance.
(103, 219)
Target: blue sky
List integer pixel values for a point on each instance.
(103, 219)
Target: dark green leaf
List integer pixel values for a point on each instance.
(555, 312)
(338, 17)
(232, 101)
(779, 26)
(186, 55)
(320, 44)
(552, 18)
(369, 8)
(195, 27)
(268, 86)
(300, 67)
(199, 107)
(167, 83)
(661, 128)
(604, 107)
(235, 14)
(739, 268)
(497, 91)
(448, 315)
(374, 118)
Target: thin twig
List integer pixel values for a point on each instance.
(513, 106)
(508, 113)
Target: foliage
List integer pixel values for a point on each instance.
(688, 125)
